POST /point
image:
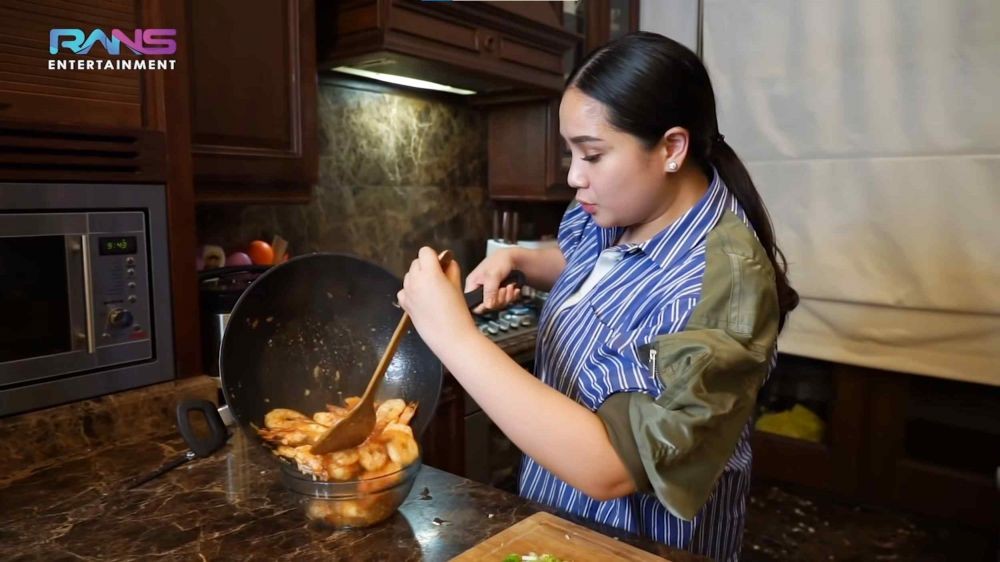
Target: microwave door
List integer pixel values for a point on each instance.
(47, 329)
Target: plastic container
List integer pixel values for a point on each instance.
(352, 503)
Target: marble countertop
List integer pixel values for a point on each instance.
(232, 505)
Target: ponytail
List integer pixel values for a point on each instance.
(736, 177)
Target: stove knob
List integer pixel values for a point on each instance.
(527, 321)
(492, 328)
(120, 318)
(504, 325)
(484, 329)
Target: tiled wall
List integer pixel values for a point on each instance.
(395, 173)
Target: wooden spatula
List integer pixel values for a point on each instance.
(360, 421)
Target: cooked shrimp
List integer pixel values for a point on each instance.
(281, 418)
(408, 413)
(342, 458)
(299, 432)
(306, 461)
(390, 447)
(372, 455)
(343, 472)
(390, 410)
(383, 475)
(286, 437)
(400, 445)
(327, 418)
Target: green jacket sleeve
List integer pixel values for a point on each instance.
(677, 444)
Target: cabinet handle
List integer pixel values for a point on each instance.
(489, 43)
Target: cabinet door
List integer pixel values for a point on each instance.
(32, 93)
(253, 82)
(525, 152)
(607, 20)
(443, 443)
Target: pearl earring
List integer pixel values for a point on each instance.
(672, 166)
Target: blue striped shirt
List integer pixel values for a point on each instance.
(590, 350)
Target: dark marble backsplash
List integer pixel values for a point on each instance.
(396, 173)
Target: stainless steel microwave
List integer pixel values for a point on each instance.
(84, 292)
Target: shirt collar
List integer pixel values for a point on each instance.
(676, 241)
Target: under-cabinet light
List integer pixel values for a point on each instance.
(403, 80)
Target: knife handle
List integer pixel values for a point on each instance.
(474, 297)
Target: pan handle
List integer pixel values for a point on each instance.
(474, 297)
(218, 435)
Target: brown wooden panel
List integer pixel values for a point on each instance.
(516, 149)
(448, 32)
(53, 153)
(546, 13)
(49, 85)
(241, 78)
(83, 14)
(167, 108)
(25, 57)
(30, 92)
(461, 40)
(949, 493)
(253, 113)
(41, 109)
(886, 428)
(776, 457)
(443, 443)
(16, 68)
(519, 52)
(848, 428)
(357, 18)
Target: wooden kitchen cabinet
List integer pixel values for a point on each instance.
(527, 158)
(919, 443)
(31, 93)
(253, 100)
(525, 154)
(486, 47)
(443, 443)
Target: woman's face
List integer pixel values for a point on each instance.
(617, 180)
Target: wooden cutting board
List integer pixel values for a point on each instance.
(544, 533)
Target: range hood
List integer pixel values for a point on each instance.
(486, 48)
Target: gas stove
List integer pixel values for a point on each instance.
(514, 322)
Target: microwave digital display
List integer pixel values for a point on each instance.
(119, 245)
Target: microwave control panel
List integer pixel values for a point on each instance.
(120, 274)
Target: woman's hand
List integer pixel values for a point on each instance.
(489, 274)
(432, 299)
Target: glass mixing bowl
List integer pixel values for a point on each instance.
(351, 503)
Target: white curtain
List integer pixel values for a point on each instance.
(872, 131)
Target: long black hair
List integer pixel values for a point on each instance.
(649, 84)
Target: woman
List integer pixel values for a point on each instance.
(667, 295)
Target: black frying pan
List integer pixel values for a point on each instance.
(310, 332)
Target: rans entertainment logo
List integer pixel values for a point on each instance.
(143, 42)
